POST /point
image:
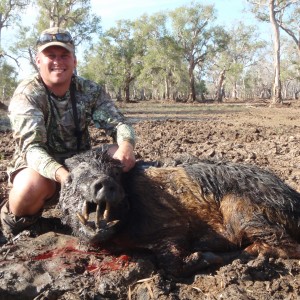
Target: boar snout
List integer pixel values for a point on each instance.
(106, 189)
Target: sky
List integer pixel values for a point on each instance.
(228, 12)
(113, 10)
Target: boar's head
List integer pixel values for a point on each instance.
(92, 199)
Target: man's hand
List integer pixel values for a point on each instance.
(126, 155)
(61, 175)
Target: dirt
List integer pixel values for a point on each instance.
(55, 265)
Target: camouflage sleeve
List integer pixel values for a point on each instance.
(39, 160)
(107, 116)
(30, 136)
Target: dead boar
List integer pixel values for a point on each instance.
(187, 215)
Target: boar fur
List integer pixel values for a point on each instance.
(188, 215)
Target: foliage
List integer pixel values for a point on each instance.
(179, 54)
(199, 39)
(10, 12)
(284, 15)
(8, 81)
(241, 53)
(118, 53)
(75, 15)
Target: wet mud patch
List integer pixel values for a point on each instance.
(56, 265)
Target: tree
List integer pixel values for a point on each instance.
(10, 12)
(162, 69)
(290, 70)
(240, 53)
(269, 10)
(288, 19)
(194, 32)
(277, 97)
(126, 60)
(8, 81)
(75, 15)
(117, 56)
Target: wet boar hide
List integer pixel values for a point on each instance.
(185, 214)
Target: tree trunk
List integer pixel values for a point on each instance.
(277, 97)
(234, 91)
(219, 94)
(192, 95)
(167, 87)
(126, 89)
(127, 92)
(0, 28)
(119, 95)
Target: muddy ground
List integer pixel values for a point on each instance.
(55, 265)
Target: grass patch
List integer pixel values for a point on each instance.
(177, 110)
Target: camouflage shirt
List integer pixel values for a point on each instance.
(43, 124)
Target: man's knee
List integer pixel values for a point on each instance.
(29, 192)
(27, 198)
(12, 224)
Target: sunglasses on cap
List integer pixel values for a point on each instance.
(57, 37)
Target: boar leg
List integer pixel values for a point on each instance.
(181, 263)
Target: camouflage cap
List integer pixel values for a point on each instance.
(55, 36)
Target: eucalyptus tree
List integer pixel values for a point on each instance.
(127, 54)
(241, 52)
(288, 19)
(99, 65)
(118, 57)
(75, 15)
(258, 78)
(10, 15)
(162, 68)
(286, 14)
(280, 14)
(193, 29)
(290, 70)
(277, 96)
(10, 12)
(8, 81)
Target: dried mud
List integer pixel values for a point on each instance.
(55, 265)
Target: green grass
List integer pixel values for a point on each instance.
(147, 107)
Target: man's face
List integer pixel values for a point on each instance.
(56, 65)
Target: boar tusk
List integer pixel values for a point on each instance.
(112, 223)
(106, 212)
(81, 218)
(85, 212)
(98, 216)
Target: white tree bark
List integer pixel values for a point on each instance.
(277, 97)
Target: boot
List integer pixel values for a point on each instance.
(12, 225)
